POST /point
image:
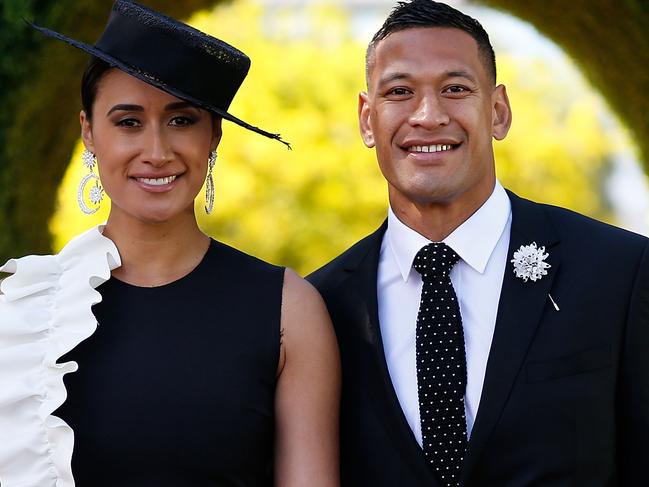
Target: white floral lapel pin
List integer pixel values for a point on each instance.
(529, 262)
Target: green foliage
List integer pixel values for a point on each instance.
(40, 106)
(302, 207)
(610, 43)
(18, 62)
(14, 38)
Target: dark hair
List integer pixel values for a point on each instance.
(427, 13)
(95, 70)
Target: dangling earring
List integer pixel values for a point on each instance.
(209, 185)
(96, 194)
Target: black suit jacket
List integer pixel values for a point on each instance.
(565, 400)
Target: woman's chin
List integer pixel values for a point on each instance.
(155, 215)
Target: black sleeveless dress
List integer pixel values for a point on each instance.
(176, 387)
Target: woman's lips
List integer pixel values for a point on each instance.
(156, 184)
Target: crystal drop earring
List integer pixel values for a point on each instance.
(96, 193)
(209, 185)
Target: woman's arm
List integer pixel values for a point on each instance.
(308, 391)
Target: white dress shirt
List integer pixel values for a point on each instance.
(481, 242)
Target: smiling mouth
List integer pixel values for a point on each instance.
(432, 148)
(157, 181)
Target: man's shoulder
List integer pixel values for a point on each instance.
(337, 269)
(582, 229)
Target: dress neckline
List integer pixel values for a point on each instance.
(196, 270)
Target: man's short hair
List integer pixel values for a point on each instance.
(427, 13)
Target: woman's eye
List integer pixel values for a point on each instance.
(128, 122)
(181, 121)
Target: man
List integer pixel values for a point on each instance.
(486, 340)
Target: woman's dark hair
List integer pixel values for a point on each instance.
(95, 70)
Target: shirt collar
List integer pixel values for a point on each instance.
(474, 240)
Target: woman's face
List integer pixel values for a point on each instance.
(151, 147)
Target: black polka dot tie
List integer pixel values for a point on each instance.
(441, 364)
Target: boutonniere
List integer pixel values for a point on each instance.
(529, 262)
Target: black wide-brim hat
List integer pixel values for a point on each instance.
(172, 56)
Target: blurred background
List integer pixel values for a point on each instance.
(302, 207)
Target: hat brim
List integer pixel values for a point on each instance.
(152, 80)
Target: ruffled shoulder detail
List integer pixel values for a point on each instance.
(45, 311)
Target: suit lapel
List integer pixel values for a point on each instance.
(520, 309)
(362, 285)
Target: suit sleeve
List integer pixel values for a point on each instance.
(633, 392)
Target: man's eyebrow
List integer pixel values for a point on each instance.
(126, 108)
(390, 77)
(397, 76)
(461, 74)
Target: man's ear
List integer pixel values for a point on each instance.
(364, 121)
(86, 132)
(502, 113)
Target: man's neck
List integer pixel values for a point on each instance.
(437, 220)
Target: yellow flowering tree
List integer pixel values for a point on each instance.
(302, 207)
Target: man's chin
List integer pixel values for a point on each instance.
(424, 195)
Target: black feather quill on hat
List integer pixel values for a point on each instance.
(172, 56)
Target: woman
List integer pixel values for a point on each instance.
(201, 365)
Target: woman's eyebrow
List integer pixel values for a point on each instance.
(178, 105)
(125, 107)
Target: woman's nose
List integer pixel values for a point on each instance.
(158, 149)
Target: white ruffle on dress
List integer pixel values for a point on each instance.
(45, 311)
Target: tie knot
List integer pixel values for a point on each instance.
(435, 259)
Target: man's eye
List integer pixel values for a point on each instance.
(399, 91)
(456, 89)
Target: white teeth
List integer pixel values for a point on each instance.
(157, 181)
(429, 148)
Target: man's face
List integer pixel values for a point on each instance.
(431, 111)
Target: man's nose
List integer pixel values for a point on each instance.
(430, 112)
